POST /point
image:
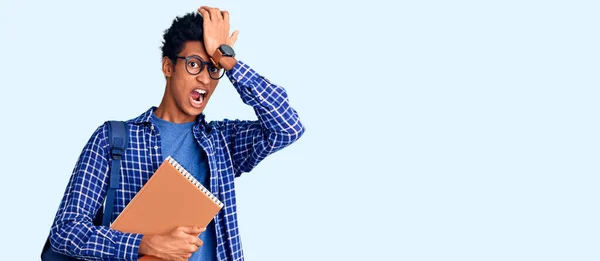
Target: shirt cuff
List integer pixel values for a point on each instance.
(242, 75)
(127, 246)
(254, 89)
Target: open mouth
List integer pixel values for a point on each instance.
(197, 97)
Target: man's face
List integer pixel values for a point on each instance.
(189, 92)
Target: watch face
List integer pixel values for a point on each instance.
(227, 50)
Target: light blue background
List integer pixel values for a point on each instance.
(436, 130)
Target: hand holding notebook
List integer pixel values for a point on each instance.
(178, 244)
(171, 198)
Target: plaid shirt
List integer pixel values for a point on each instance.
(232, 146)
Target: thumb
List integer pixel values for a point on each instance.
(194, 230)
(234, 37)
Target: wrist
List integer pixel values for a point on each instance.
(147, 246)
(228, 63)
(223, 57)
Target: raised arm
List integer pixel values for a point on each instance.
(278, 124)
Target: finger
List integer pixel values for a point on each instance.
(215, 14)
(194, 230)
(193, 248)
(206, 8)
(200, 230)
(205, 14)
(234, 36)
(225, 15)
(195, 240)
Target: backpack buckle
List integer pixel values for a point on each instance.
(116, 151)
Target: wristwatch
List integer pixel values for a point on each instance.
(223, 51)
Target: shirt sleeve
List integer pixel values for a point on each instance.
(73, 232)
(278, 124)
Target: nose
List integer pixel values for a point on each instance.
(203, 76)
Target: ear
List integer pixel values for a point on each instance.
(167, 66)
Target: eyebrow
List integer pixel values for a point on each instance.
(195, 54)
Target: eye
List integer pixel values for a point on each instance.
(213, 69)
(193, 64)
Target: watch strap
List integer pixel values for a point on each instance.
(216, 58)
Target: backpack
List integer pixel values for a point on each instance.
(118, 140)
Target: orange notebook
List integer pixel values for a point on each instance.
(172, 197)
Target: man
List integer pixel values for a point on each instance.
(197, 52)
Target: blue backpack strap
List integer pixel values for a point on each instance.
(118, 139)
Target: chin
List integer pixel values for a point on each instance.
(195, 110)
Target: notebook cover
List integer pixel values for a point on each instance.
(172, 197)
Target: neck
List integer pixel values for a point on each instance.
(169, 111)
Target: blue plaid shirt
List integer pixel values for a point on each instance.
(232, 146)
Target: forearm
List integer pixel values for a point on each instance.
(82, 239)
(270, 102)
(278, 123)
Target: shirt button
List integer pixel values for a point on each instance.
(156, 147)
(152, 127)
(239, 78)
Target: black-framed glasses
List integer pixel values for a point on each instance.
(194, 66)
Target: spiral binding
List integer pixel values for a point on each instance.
(194, 181)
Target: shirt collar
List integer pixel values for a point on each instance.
(146, 117)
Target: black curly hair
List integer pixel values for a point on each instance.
(184, 28)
